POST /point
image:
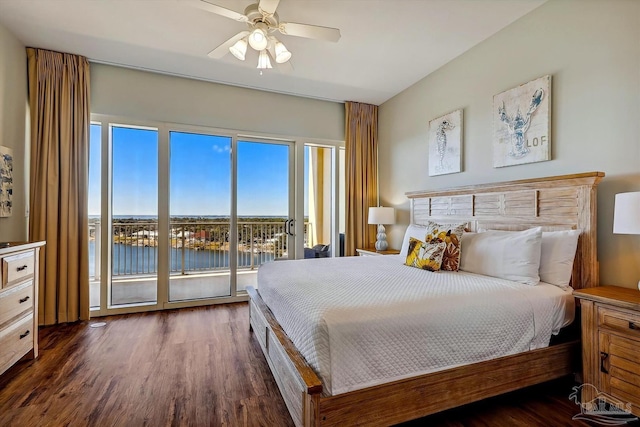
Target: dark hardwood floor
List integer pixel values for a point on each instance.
(197, 367)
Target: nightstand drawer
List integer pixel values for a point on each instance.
(15, 341)
(16, 268)
(16, 300)
(620, 360)
(623, 321)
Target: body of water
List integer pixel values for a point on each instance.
(128, 260)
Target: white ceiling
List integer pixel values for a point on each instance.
(386, 45)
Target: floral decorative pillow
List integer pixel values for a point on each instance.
(451, 234)
(426, 256)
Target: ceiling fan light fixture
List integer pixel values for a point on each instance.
(282, 54)
(263, 61)
(239, 49)
(258, 39)
(262, 21)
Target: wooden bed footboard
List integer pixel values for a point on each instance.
(298, 383)
(402, 400)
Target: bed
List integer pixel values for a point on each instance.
(321, 390)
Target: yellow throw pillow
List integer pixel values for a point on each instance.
(426, 256)
(451, 235)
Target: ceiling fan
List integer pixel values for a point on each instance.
(262, 22)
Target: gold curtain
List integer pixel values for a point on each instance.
(361, 140)
(60, 120)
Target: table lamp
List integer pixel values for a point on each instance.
(626, 214)
(380, 216)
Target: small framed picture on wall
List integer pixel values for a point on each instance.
(445, 144)
(6, 181)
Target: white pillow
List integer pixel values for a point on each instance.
(413, 230)
(507, 255)
(557, 254)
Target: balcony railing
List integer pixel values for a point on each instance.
(194, 246)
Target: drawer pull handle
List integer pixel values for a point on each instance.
(25, 299)
(25, 334)
(633, 326)
(603, 357)
(24, 267)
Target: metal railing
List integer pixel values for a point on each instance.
(194, 246)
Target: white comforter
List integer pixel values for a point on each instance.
(362, 321)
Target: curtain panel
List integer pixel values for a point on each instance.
(60, 120)
(361, 140)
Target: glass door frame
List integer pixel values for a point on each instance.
(336, 167)
(106, 232)
(292, 240)
(296, 206)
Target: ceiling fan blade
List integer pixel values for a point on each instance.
(268, 6)
(223, 49)
(218, 10)
(310, 31)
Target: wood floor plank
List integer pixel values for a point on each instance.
(196, 367)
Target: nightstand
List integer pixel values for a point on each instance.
(373, 252)
(610, 343)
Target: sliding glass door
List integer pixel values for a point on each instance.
(134, 218)
(200, 212)
(182, 215)
(319, 201)
(265, 215)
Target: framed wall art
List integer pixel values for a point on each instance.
(6, 181)
(445, 144)
(522, 124)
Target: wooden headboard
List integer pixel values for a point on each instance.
(565, 202)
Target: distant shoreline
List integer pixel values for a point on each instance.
(190, 216)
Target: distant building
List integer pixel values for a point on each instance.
(202, 235)
(146, 234)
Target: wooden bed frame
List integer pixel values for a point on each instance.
(555, 203)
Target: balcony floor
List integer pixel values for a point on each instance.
(142, 289)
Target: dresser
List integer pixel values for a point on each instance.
(611, 345)
(18, 302)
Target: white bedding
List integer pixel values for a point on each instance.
(363, 321)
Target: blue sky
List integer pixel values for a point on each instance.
(200, 177)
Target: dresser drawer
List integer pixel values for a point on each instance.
(16, 268)
(16, 300)
(625, 322)
(15, 341)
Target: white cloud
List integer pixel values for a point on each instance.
(223, 149)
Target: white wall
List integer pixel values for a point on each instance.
(143, 95)
(592, 50)
(13, 110)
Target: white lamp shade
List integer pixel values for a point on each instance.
(382, 215)
(282, 54)
(239, 49)
(626, 213)
(264, 61)
(258, 39)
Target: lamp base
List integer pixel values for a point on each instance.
(381, 243)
